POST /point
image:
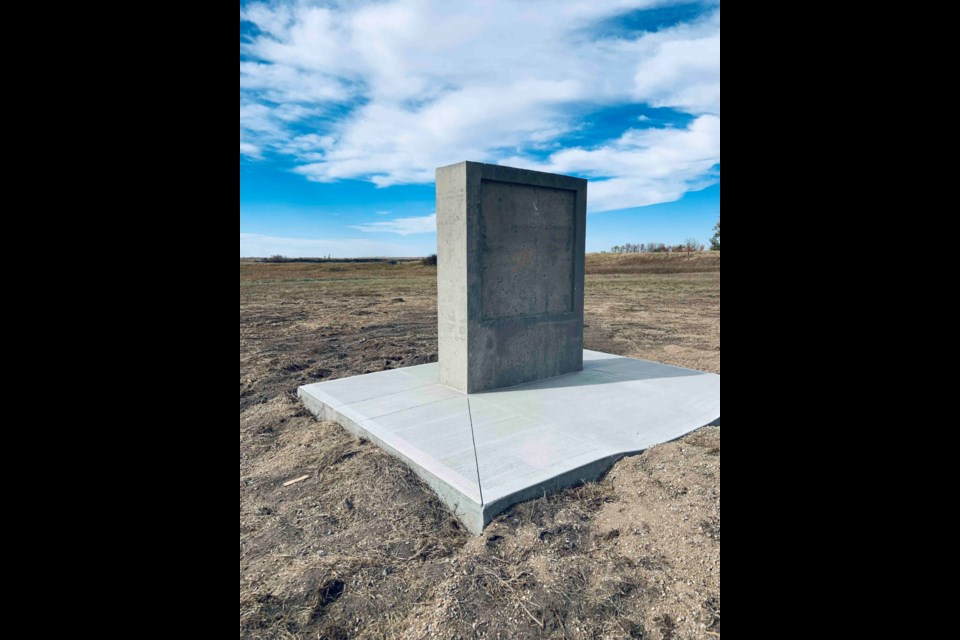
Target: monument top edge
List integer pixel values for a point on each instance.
(496, 171)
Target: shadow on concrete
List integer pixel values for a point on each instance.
(604, 372)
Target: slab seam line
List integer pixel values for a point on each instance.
(476, 456)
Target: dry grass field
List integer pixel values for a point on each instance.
(362, 549)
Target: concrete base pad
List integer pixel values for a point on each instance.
(525, 440)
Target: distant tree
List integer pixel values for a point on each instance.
(715, 241)
(692, 245)
(430, 261)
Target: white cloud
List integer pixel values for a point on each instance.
(680, 68)
(643, 167)
(261, 246)
(402, 226)
(284, 84)
(392, 145)
(265, 126)
(250, 150)
(440, 82)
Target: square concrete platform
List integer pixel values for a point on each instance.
(488, 451)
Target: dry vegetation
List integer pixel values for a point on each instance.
(362, 549)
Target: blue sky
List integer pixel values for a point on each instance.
(347, 108)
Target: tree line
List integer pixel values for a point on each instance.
(692, 245)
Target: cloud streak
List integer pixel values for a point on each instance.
(401, 226)
(261, 246)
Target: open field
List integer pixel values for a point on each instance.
(362, 549)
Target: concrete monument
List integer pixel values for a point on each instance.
(511, 275)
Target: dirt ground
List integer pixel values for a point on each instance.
(361, 549)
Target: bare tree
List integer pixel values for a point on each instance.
(692, 245)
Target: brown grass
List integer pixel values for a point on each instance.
(363, 550)
(673, 263)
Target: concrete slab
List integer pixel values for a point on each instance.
(485, 452)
